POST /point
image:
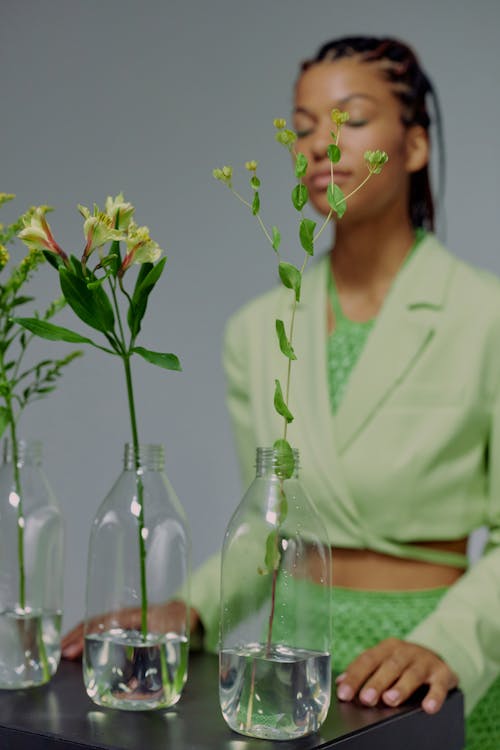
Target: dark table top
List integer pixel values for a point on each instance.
(60, 716)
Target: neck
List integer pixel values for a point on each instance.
(369, 254)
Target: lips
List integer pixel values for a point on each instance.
(321, 180)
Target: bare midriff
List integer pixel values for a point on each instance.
(374, 571)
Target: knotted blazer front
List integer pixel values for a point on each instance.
(412, 453)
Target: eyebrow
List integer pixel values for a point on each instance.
(341, 102)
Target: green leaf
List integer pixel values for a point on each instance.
(255, 203)
(334, 153)
(77, 267)
(306, 235)
(285, 345)
(336, 199)
(285, 461)
(167, 361)
(52, 258)
(51, 332)
(21, 301)
(291, 277)
(276, 239)
(300, 165)
(299, 196)
(255, 182)
(146, 280)
(90, 305)
(273, 556)
(4, 419)
(279, 403)
(115, 255)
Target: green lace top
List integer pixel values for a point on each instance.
(346, 342)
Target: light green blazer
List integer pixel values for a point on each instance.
(413, 452)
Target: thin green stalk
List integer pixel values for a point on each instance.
(20, 515)
(140, 494)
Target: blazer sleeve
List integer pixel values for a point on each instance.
(465, 627)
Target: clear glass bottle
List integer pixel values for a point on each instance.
(31, 569)
(275, 630)
(137, 608)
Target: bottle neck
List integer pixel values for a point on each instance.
(269, 464)
(149, 457)
(29, 452)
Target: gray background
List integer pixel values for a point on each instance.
(147, 97)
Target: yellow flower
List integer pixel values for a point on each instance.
(4, 256)
(37, 234)
(286, 137)
(339, 117)
(99, 229)
(119, 206)
(251, 165)
(140, 248)
(279, 123)
(224, 175)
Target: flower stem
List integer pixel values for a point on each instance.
(20, 514)
(140, 497)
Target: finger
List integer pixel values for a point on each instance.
(389, 672)
(72, 643)
(362, 668)
(441, 682)
(416, 674)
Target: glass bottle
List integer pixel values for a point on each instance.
(137, 604)
(275, 629)
(31, 569)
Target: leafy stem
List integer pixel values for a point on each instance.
(86, 294)
(291, 278)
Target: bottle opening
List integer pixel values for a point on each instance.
(149, 456)
(282, 464)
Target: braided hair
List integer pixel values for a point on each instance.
(411, 85)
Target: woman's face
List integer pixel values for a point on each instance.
(374, 123)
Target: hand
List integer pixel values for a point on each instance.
(161, 618)
(392, 670)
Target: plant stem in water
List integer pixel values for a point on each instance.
(140, 498)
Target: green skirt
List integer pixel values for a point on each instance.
(361, 619)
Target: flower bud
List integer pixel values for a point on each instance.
(286, 138)
(251, 165)
(375, 160)
(279, 123)
(4, 256)
(339, 117)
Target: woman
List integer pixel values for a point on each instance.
(395, 402)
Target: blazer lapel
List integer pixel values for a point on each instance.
(402, 332)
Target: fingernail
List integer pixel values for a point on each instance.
(430, 705)
(345, 693)
(369, 696)
(340, 677)
(392, 696)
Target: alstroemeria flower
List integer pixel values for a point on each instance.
(99, 229)
(140, 248)
(37, 234)
(119, 206)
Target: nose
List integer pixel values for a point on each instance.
(321, 139)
